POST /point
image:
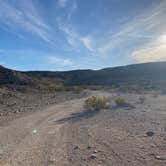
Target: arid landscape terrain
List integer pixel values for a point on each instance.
(82, 82)
(40, 126)
(58, 131)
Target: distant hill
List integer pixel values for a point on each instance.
(138, 74)
(8, 76)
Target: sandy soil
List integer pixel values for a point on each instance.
(65, 135)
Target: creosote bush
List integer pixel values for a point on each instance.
(120, 101)
(96, 103)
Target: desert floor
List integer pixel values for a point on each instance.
(59, 132)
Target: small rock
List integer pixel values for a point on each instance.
(89, 147)
(150, 133)
(160, 157)
(93, 156)
(52, 159)
(76, 147)
(95, 151)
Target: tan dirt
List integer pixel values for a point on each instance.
(64, 135)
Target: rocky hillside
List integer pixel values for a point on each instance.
(150, 74)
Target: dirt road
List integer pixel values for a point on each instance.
(31, 140)
(63, 135)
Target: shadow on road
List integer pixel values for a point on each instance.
(125, 107)
(77, 116)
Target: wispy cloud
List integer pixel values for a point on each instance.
(71, 36)
(39, 58)
(57, 60)
(87, 42)
(62, 3)
(73, 7)
(74, 39)
(23, 15)
(154, 51)
(155, 48)
(70, 7)
(144, 27)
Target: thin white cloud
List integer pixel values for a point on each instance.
(71, 36)
(70, 7)
(143, 27)
(45, 58)
(62, 3)
(73, 7)
(74, 39)
(59, 61)
(154, 51)
(23, 15)
(87, 42)
(150, 54)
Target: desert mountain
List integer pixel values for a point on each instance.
(139, 74)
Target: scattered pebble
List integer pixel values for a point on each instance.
(76, 147)
(95, 151)
(160, 157)
(89, 147)
(150, 133)
(93, 156)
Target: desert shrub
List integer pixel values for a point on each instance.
(3, 90)
(120, 101)
(96, 103)
(55, 87)
(77, 89)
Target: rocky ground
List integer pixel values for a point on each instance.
(15, 104)
(64, 134)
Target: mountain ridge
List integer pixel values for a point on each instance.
(142, 74)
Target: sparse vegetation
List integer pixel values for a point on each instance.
(96, 103)
(56, 87)
(3, 90)
(120, 101)
(77, 89)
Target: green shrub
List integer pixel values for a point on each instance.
(120, 101)
(96, 103)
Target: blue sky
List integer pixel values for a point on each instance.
(81, 34)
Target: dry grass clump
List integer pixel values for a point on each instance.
(3, 90)
(96, 103)
(56, 87)
(120, 101)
